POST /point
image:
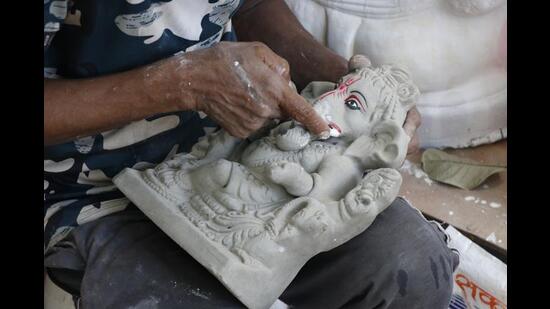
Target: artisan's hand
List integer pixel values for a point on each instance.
(412, 122)
(272, 22)
(239, 85)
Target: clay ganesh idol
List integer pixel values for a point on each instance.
(253, 212)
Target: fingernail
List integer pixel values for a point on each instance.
(292, 85)
(324, 135)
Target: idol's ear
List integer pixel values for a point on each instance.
(386, 146)
(393, 143)
(357, 62)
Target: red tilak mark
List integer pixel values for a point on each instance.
(350, 81)
(343, 87)
(326, 94)
(333, 125)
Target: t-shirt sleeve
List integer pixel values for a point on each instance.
(54, 15)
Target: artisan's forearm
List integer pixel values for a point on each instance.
(273, 23)
(82, 107)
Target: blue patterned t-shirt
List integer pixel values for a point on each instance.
(89, 38)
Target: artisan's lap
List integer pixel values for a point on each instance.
(400, 261)
(129, 262)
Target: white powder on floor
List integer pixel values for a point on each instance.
(492, 238)
(415, 171)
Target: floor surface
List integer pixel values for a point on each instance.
(481, 212)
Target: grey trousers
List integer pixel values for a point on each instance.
(124, 261)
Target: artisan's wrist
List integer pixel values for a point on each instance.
(324, 65)
(165, 87)
(272, 22)
(337, 66)
(316, 62)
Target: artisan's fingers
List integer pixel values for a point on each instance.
(273, 61)
(299, 109)
(282, 69)
(279, 66)
(412, 122)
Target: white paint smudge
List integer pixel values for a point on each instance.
(492, 238)
(334, 133)
(451, 213)
(483, 202)
(495, 205)
(415, 171)
(197, 292)
(469, 198)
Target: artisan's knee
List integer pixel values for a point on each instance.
(400, 261)
(414, 262)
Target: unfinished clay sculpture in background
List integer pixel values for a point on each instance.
(254, 212)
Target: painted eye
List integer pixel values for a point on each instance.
(352, 104)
